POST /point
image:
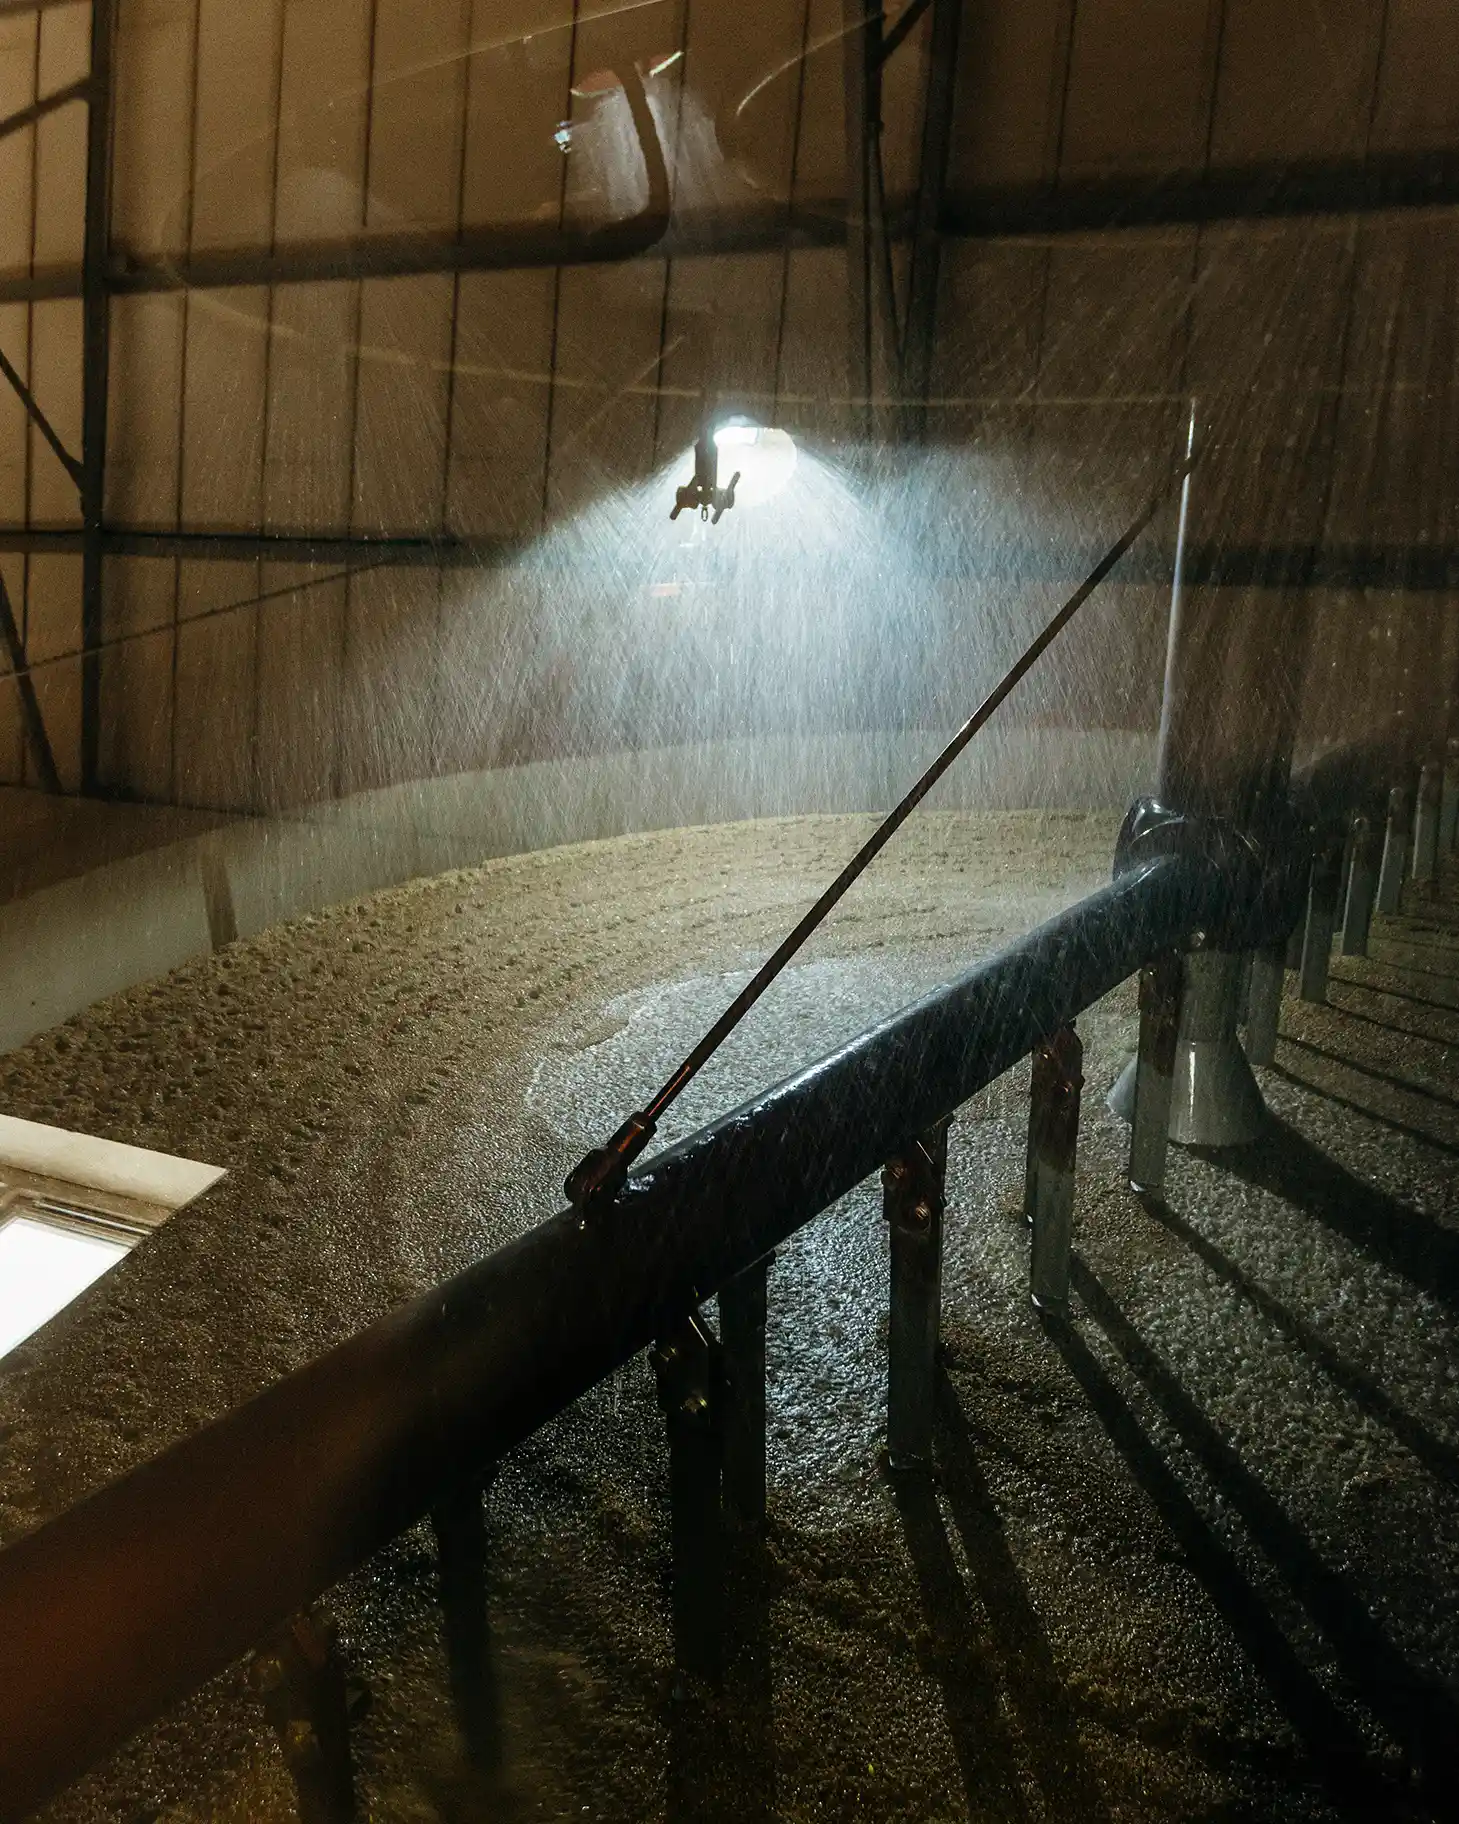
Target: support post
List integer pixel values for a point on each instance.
(1426, 826)
(1322, 897)
(1264, 1003)
(913, 1200)
(1365, 849)
(459, 1523)
(1154, 1072)
(95, 375)
(1216, 1100)
(300, 1679)
(689, 1371)
(743, 1306)
(1395, 850)
(1449, 798)
(1053, 1140)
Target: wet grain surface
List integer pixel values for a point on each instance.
(1190, 1557)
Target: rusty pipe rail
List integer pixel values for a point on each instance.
(122, 1605)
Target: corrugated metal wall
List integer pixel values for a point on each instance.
(489, 405)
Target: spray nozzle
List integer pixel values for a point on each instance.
(703, 491)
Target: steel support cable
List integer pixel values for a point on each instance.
(122, 1605)
(604, 1169)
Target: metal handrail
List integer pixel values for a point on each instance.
(123, 1604)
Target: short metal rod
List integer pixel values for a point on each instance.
(913, 1199)
(300, 1679)
(459, 1523)
(1264, 1003)
(1322, 897)
(1395, 850)
(1449, 798)
(688, 1367)
(1154, 1072)
(1426, 825)
(1364, 859)
(1053, 1139)
(743, 1307)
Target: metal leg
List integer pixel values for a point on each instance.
(1154, 1072)
(460, 1528)
(689, 1369)
(1322, 898)
(309, 1705)
(913, 1201)
(742, 1309)
(1264, 1004)
(1426, 826)
(1053, 1138)
(1449, 799)
(1395, 849)
(1362, 886)
(1216, 1101)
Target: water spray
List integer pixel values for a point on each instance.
(601, 1174)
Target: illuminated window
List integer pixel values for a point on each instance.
(71, 1208)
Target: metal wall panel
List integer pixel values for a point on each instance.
(1296, 80)
(1418, 78)
(156, 124)
(1139, 92)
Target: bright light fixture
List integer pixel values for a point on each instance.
(71, 1207)
(43, 1266)
(764, 456)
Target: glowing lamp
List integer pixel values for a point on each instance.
(764, 456)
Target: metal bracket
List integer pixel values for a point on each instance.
(689, 1368)
(913, 1200)
(1160, 986)
(1053, 1140)
(1264, 878)
(310, 1704)
(743, 1305)
(459, 1524)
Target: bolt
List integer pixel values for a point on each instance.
(266, 1673)
(695, 1405)
(300, 1739)
(920, 1214)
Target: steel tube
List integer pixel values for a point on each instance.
(1322, 898)
(743, 1305)
(1362, 886)
(1449, 802)
(1053, 1141)
(1154, 1080)
(1426, 825)
(912, 1190)
(1395, 850)
(123, 1604)
(1264, 1004)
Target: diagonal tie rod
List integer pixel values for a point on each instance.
(602, 1172)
